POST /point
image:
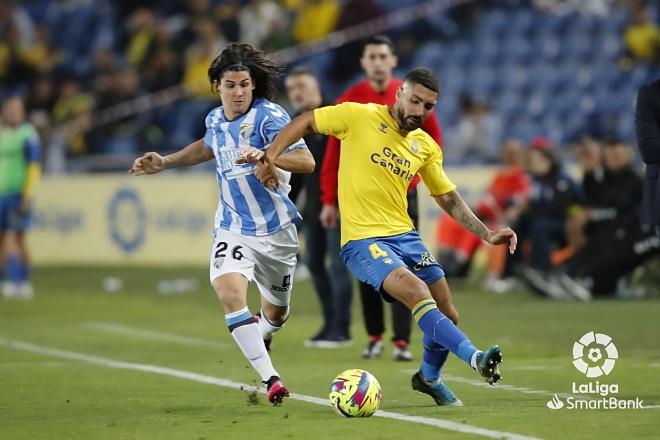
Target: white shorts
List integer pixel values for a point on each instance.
(270, 260)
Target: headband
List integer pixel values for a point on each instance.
(238, 67)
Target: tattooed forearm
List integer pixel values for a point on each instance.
(454, 205)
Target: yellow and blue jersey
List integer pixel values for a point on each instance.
(376, 165)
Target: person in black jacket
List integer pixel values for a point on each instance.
(333, 284)
(647, 122)
(615, 242)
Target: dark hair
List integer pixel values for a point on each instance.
(242, 57)
(301, 70)
(425, 77)
(378, 40)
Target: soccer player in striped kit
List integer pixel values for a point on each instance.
(254, 237)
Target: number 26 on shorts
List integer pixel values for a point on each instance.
(222, 247)
(376, 251)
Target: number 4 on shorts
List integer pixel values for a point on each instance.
(376, 251)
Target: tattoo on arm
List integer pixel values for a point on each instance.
(454, 205)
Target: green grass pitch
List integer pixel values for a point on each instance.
(50, 395)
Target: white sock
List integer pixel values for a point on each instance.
(249, 338)
(267, 328)
(473, 360)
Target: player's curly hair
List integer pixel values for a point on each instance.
(237, 57)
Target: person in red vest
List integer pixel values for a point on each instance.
(378, 60)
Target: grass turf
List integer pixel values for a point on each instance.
(43, 396)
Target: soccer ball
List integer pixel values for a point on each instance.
(355, 393)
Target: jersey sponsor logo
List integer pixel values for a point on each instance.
(286, 284)
(228, 157)
(414, 146)
(397, 165)
(427, 260)
(245, 131)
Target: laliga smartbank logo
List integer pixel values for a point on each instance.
(594, 355)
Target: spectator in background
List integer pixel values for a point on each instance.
(647, 121)
(642, 36)
(142, 26)
(353, 13)
(227, 15)
(41, 55)
(71, 101)
(15, 67)
(590, 157)
(316, 18)
(14, 17)
(124, 135)
(552, 196)
(260, 19)
(499, 206)
(207, 44)
(616, 244)
(72, 113)
(333, 284)
(475, 138)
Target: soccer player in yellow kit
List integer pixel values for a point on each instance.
(383, 148)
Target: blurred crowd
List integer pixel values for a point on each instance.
(85, 67)
(578, 226)
(74, 59)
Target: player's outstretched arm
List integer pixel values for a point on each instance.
(297, 161)
(151, 163)
(289, 135)
(455, 206)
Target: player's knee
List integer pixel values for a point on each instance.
(232, 299)
(414, 289)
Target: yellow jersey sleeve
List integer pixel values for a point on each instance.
(433, 174)
(335, 120)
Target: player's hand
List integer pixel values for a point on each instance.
(250, 155)
(267, 174)
(148, 163)
(504, 236)
(329, 216)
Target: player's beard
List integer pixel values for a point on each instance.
(408, 122)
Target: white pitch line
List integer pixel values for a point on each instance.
(196, 377)
(508, 387)
(504, 387)
(528, 367)
(120, 329)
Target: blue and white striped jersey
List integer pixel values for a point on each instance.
(246, 206)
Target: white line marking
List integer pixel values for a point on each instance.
(528, 367)
(120, 329)
(504, 387)
(195, 377)
(508, 387)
